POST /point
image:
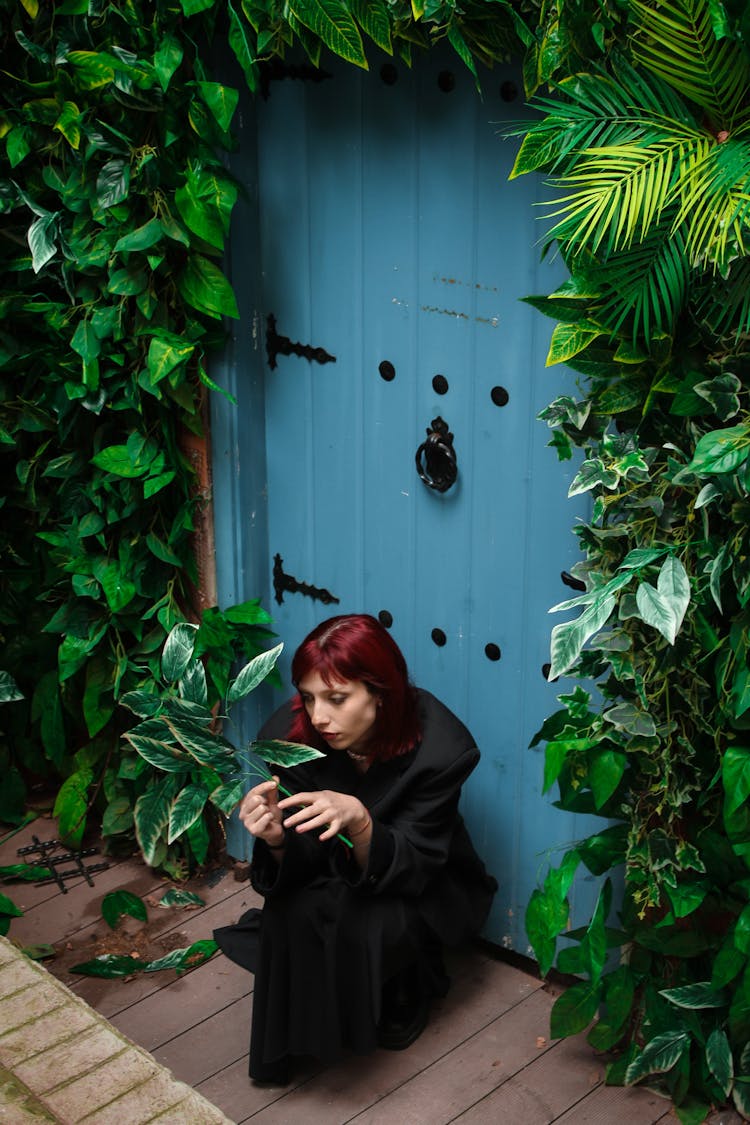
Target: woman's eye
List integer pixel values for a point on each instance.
(337, 700)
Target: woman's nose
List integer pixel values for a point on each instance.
(319, 714)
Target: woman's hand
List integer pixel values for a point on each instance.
(334, 812)
(260, 814)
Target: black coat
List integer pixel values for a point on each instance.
(331, 933)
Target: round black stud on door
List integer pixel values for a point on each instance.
(492, 651)
(387, 370)
(438, 637)
(436, 458)
(389, 74)
(440, 384)
(446, 81)
(385, 618)
(499, 396)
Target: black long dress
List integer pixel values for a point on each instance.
(331, 933)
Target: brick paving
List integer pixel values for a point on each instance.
(61, 1061)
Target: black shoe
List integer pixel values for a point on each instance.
(404, 1016)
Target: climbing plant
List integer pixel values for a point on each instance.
(116, 206)
(650, 154)
(115, 121)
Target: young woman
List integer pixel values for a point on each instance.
(347, 951)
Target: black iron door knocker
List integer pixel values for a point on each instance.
(436, 457)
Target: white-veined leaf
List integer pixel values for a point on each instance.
(178, 650)
(253, 674)
(185, 810)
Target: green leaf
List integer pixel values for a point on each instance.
(574, 1010)
(143, 238)
(240, 44)
(332, 22)
(151, 818)
(605, 773)
(286, 754)
(719, 1059)
(158, 754)
(92, 69)
(71, 805)
(113, 183)
(109, 966)
(167, 59)
(116, 459)
(373, 18)
(253, 674)
(193, 685)
(24, 872)
(9, 908)
(177, 897)
(658, 1056)
(182, 960)
(142, 703)
(694, 996)
(570, 339)
(187, 807)
(204, 287)
(722, 451)
(567, 640)
(165, 353)
(735, 772)
(41, 237)
(221, 100)
(178, 651)
(227, 795)
(9, 689)
(117, 903)
(205, 203)
(206, 747)
(664, 607)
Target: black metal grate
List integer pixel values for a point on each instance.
(43, 852)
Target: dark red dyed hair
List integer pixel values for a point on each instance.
(355, 646)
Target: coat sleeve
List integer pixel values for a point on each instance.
(304, 856)
(412, 837)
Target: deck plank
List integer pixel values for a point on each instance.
(484, 1057)
(478, 995)
(615, 1105)
(548, 1086)
(157, 1019)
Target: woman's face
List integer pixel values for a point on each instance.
(342, 712)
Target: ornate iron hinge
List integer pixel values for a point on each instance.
(275, 70)
(282, 345)
(282, 582)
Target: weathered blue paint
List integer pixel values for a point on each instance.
(388, 230)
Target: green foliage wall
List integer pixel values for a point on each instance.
(115, 208)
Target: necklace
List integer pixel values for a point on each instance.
(357, 757)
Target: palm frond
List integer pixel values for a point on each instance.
(714, 202)
(723, 304)
(621, 192)
(596, 110)
(646, 287)
(677, 42)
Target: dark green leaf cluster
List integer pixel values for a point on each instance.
(652, 151)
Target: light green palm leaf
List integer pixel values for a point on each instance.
(676, 41)
(598, 111)
(714, 192)
(620, 193)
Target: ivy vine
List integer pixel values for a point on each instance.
(116, 207)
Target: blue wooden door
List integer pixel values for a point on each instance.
(389, 253)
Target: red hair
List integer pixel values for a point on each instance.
(355, 646)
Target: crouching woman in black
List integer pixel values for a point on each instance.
(347, 951)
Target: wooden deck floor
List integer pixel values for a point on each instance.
(485, 1057)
